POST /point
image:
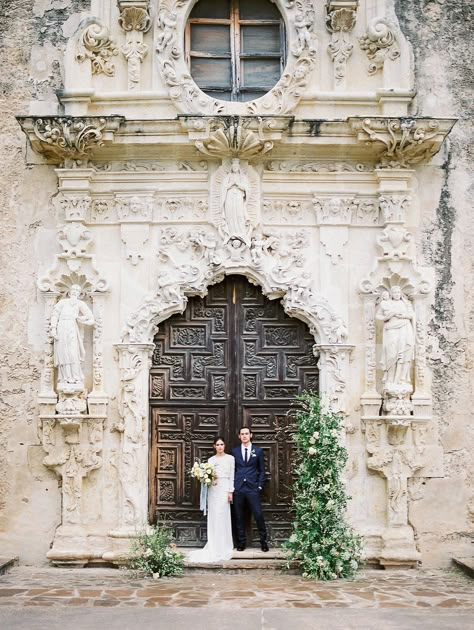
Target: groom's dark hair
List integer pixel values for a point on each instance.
(242, 427)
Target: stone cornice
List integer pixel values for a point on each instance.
(387, 142)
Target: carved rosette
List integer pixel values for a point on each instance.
(96, 45)
(135, 21)
(131, 457)
(281, 99)
(379, 43)
(340, 20)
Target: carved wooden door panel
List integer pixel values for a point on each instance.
(232, 358)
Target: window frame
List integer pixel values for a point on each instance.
(236, 55)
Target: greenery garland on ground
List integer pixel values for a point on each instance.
(153, 553)
(321, 539)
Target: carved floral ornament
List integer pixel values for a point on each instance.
(281, 99)
(340, 20)
(69, 138)
(402, 142)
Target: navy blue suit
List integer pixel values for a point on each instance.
(248, 483)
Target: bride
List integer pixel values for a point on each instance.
(219, 545)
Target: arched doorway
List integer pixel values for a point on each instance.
(232, 358)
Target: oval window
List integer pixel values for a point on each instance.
(235, 49)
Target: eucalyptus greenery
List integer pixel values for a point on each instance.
(321, 540)
(153, 553)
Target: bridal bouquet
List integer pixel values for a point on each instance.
(205, 473)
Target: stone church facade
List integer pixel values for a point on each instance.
(208, 208)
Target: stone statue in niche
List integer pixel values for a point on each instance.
(234, 204)
(235, 192)
(398, 343)
(69, 316)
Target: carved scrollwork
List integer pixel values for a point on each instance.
(380, 43)
(96, 45)
(67, 138)
(135, 21)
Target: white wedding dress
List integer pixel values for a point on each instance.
(219, 545)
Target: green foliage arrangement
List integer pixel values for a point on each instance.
(153, 553)
(322, 541)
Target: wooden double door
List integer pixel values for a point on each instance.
(233, 358)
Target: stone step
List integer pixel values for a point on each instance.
(8, 563)
(250, 560)
(466, 564)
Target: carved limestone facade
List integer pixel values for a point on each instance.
(154, 190)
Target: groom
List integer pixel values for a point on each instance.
(248, 483)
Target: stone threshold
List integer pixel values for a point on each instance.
(253, 560)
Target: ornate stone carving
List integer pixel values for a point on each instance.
(276, 261)
(340, 20)
(135, 21)
(334, 210)
(134, 207)
(380, 43)
(334, 369)
(134, 237)
(286, 210)
(402, 141)
(69, 138)
(235, 201)
(303, 21)
(394, 207)
(234, 136)
(96, 45)
(394, 243)
(295, 166)
(67, 319)
(334, 239)
(131, 458)
(72, 447)
(76, 208)
(179, 208)
(190, 99)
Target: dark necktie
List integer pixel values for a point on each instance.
(246, 457)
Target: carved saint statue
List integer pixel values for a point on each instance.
(69, 316)
(235, 192)
(398, 347)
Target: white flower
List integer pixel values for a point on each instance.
(312, 450)
(316, 435)
(312, 440)
(293, 538)
(334, 432)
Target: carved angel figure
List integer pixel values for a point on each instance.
(167, 21)
(398, 344)
(235, 192)
(69, 316)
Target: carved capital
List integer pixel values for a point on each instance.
(402, 142)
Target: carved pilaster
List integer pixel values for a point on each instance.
(48, 398)
(131, 457)
(396, 453)
(135, 21)
(334, 372)
(97, 399)
(340, 20)
(73, 445)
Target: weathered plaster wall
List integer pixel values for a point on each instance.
(442, 510)
(33, 36)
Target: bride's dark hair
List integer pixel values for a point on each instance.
(217, 438)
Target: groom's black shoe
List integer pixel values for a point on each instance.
(264, 547)
(240, 547)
